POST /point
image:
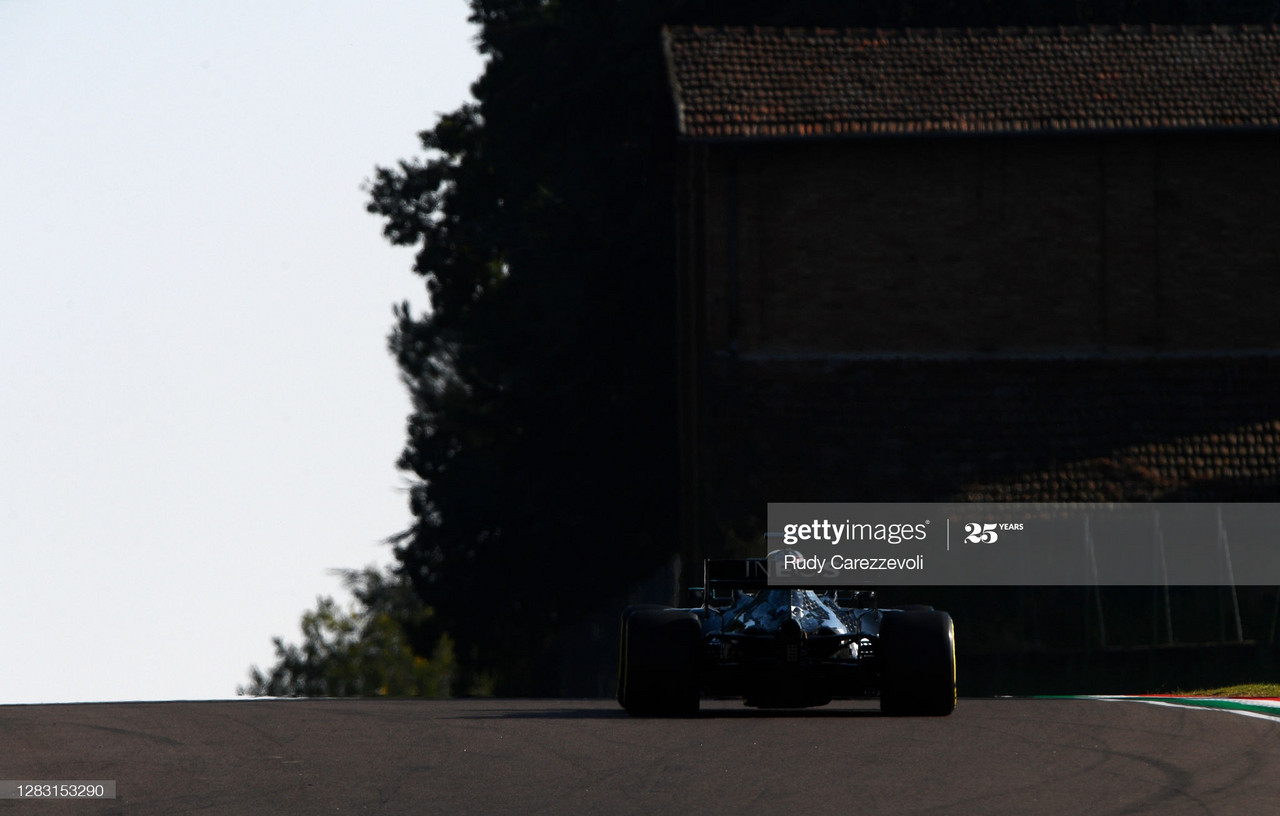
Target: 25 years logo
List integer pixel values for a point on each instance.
(981, 533)
(978, 533)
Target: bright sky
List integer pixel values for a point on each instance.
(198, 415)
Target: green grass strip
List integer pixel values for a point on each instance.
(1246, 690)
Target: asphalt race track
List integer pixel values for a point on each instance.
(1073, 757)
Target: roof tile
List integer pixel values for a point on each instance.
(798, 83)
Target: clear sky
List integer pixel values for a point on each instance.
(198, 415)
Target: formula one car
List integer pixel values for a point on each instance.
(781, 646)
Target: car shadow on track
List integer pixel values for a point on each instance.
(718, 712)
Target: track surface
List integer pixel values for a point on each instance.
(1072, 757)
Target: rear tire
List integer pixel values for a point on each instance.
(622, 647)
(917, 664)
(658, 662)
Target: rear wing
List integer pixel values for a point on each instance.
(721, 577)
(735, 573)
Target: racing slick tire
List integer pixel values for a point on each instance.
(658, 662)
(917, 664)
(622, 647)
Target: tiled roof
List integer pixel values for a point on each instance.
(1196, 427)
(1241, 463)
(736, 83)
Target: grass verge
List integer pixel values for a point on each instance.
(1245, 690)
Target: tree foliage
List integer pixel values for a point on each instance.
(361, 650)
(542, 437)
(542, 441)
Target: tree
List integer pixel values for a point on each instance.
(360, 651)
(542, 439)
